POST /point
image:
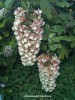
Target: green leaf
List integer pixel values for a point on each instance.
(8, 4)
(69, 24)
(50, 41)
(57, 20)
(66, 17)
(44, 47)
(47, 29)
(63, 16)
(25, 4)
(68, 38)
(28, 4)
(65, 37)
(51, 35)
(63, 52)
(53, 47)
(58, 29)
(0, 38)
(72, 37)
(6, 34)
(9, 90)
(46, 8)
(63, 3)
(46, 32)
(5, 79)
(1, 4)
(2, 24)
(57, 39)
(72, 44)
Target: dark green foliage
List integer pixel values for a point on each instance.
(25, 81)
(8, 4)
(58, 37)
(60, 26)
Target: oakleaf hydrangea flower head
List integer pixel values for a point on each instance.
(48, 71)
(7, 52)
(1, 11)
(28, 32)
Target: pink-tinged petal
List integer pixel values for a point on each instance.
(21, 18)
(39, 31)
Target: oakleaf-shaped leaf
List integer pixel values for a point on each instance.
(57, 39)
(2, 24)
(53, 47)
(63, 52)
(72, 44)
(6, 34)
(8, 4)
(71, 37)
(9, 90)
(63, 3)
(68, 38)
(58, 29)
(51, 35)
(0, 38)
(46, 8)
(46, 30)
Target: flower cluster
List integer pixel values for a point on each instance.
(1, 11)
(28, 33)
(7, 52)
(48, 71)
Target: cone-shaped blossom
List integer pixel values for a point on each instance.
(48, 71)
(28, 33)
